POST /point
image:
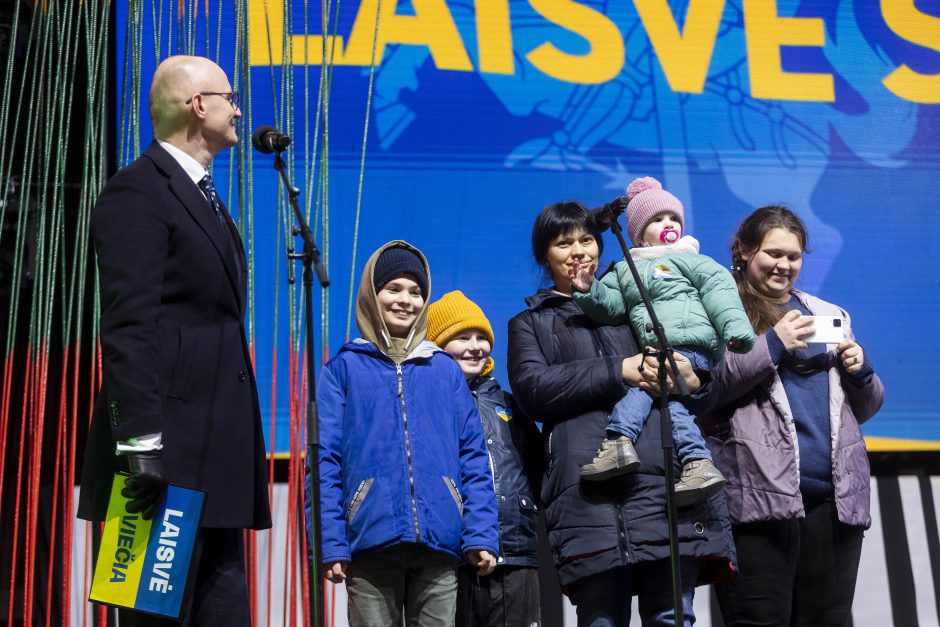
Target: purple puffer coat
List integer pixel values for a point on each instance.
(753, 437)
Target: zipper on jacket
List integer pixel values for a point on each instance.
(489, 455)
(411, 476)
(622, 532)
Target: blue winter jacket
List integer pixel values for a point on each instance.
(402, 457)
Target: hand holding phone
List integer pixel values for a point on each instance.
(792, 330)
(827, 329)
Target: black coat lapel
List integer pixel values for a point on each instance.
(201, 211)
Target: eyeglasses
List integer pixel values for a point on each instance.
(232, 97)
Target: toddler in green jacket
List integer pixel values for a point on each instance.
(696, 301)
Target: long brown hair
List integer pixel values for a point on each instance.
(761, 311)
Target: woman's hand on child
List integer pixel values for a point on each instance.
(851, 355)
(582, 275)
(483, 560)
(336, 572)
(792, 328)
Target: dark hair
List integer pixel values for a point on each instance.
(559, 218)
(761, 311)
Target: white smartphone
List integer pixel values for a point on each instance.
(828, 330)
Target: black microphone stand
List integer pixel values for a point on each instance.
(311, 260)
(664, 352)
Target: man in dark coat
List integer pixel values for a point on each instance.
(178, 402)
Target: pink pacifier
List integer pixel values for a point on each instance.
(668, 236)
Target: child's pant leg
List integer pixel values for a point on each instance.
(510, 596)
(431, 593)
(409, 577)
(686, 435)
(376, 588)
(630, 413)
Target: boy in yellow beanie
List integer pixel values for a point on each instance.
(510, 596)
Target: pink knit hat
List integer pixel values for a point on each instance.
(647, 200)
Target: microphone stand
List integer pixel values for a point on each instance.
(311, 261)
(663, 353)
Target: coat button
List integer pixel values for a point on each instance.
(242, 376)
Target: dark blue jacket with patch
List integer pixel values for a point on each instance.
(515, 447)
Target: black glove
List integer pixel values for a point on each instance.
(146, 484)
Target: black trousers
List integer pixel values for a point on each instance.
(218, 591)
(507, 598)
(793, 573)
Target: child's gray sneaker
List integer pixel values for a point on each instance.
(700, 479)
(614, 457)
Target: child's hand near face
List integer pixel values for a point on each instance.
(581, 275)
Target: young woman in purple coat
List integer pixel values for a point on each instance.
(786, 435)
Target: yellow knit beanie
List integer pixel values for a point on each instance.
(453, 313)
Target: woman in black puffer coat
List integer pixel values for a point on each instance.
(610, 538)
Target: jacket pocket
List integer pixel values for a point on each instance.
(454, 493)
(518, 516)
(358, 497)
(182, 370)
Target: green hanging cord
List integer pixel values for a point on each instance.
(329, 57)
(205, 14)
(295, 299)
(362, 167)
(169, 26)
(157, 18)
(311, 149)
(124, 96)
(5, 106)
(180, 28)
(91, 180)
(218, 32)
(34, 125)
(191, 27)
(16, 275)
(246, 195)
(74, 278)
(97, 178)
(267, 32)
(32, 146)
(137, 86)
(327, 86)
(64, 104)
(322, 200)
(130, 96)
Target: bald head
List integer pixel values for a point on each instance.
(177, 78)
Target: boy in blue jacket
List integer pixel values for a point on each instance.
(405, 485)
(696, 301)
(510, 596)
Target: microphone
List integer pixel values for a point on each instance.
(668, 236)
(599, 219)
(267, 139)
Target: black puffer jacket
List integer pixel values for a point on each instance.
(515, 449)
(566, 371)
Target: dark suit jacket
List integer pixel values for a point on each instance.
(175, 356)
